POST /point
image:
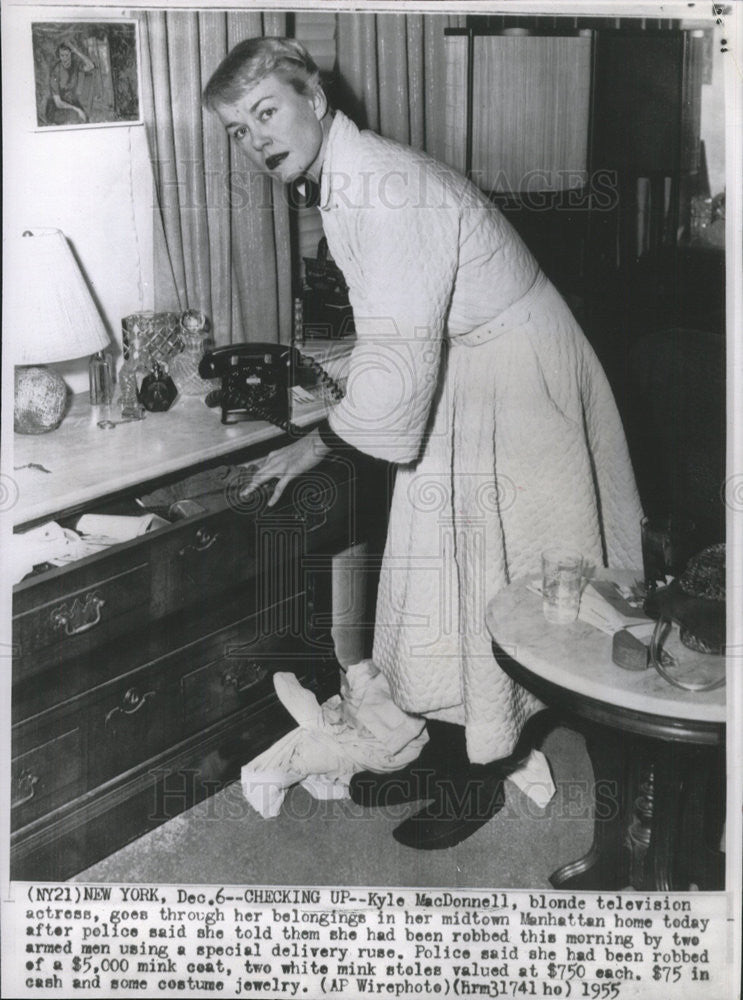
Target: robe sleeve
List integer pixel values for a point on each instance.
(401, 275)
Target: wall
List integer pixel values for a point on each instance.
(94, 184)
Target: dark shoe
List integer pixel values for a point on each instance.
(463, 804)
(444, 753)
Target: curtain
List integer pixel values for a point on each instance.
(221, 236)
(393, 75)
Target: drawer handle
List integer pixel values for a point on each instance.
(130, 704)
(204, 540)
(244, 677)
(80, 616)
(26, 788)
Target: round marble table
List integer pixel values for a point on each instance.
(657, 751)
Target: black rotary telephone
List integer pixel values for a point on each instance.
(257, 380)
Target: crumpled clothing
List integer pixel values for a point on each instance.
(359, 729)
(47, 543)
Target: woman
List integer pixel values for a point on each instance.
(471, 374)
(63, 105)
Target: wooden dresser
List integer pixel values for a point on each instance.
(142, 674)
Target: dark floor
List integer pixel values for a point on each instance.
(222, 841)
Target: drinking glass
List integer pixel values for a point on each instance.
(562, 573)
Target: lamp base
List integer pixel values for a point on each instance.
(40, 400)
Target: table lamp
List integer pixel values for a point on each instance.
(49, 315)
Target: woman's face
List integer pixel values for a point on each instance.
(278, 129)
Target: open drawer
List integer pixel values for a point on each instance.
(72, 612)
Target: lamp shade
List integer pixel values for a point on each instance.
(49, 313)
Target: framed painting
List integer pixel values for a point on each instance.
(86, 73)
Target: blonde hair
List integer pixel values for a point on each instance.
(255, 58)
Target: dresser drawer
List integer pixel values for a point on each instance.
(199, 559)
(216, 689)
(236, 670)
(207, 555)
(119, 724)
(197, 683)
(129, 720)
(48, 774)
(67, 614)
(316, 508)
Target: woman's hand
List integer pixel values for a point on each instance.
(286, 463)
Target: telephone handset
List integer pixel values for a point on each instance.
(257, 380)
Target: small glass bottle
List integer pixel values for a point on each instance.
(184, 367)
(101, 379)
(134, 369)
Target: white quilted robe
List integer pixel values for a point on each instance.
(472, 375)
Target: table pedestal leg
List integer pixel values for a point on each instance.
(640, 828)
(686, 817)
(607, 864)
(659, 817)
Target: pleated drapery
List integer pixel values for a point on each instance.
(221, 233)
(394, 75)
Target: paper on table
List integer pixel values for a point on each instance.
(604, 605)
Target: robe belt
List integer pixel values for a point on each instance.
(516, 315)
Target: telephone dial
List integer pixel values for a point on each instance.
(257, 381)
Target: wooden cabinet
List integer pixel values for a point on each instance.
(142, 678)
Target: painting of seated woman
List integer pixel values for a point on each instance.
(86, 73)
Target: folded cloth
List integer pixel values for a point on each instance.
(359, 729)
